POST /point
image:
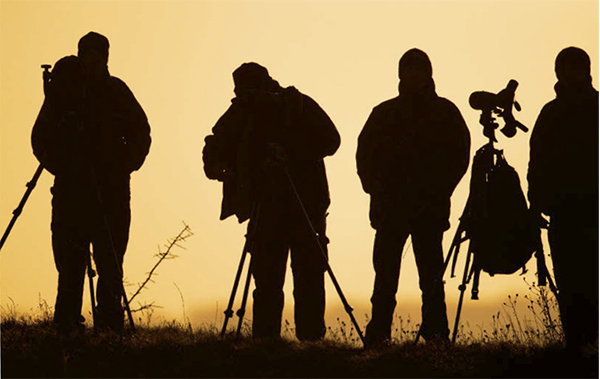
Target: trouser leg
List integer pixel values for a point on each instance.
(308, 267)
(69, 246)
(268, 265)
(427, 245)
(387, 255)
(70, 263)
(110, 243)
(574, 249)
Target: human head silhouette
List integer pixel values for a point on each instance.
(414, 69)
(572, 66)
(250, 77)
(93, 52)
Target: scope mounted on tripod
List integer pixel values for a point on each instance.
(500, 104)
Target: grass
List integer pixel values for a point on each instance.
(514, 346)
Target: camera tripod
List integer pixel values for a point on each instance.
(248, 248)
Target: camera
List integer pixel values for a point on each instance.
(500, 104)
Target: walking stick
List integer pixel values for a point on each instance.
(347, 306)
(246, 249)
(31, 184)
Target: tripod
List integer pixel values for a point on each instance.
(484, 162)
(248, 247)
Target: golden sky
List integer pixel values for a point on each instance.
(177, 57)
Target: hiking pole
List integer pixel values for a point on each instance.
(246, 249)
(31, 184)
(347, 306)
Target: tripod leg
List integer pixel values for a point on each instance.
(462, 289)
(17, 212)
(91, 274)
(242, 311)
(229, 311)
(347, 306)
(252, 226)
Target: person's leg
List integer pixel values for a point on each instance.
(109, 246)
(427, 245)
(308, 267)
(574, 248)
(268, 265)
(69, 246)
(387, 256)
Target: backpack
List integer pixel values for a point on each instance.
(503, 233)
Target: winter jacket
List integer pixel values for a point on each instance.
(563, 165)
(103, 133)
(412, 152)
(236, 151)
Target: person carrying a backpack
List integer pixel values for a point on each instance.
(91, 134)
(412, 152)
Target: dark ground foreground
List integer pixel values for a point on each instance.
(171, 351)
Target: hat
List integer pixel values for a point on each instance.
(414, 57)
(572, 57)
(252, 76)
(94, 41)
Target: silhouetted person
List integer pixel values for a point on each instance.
(412, 152)
(563, 184)
(267, 131)
(91, 133)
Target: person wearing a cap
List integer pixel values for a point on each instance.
(91, 134)
(412, 153)
(563, 184)
(267, 133)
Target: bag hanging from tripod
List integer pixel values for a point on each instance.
(503, 234)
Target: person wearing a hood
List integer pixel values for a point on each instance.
(91, 134)
(412, 153)
(268, 133)
(563, 184)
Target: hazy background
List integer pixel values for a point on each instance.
(177, 57)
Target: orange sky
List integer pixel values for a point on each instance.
(178, 56)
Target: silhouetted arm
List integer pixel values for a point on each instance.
(365, 153)
(219, 152)
(455, 162)
(539, 170)
(136, 138)
(312, 135)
